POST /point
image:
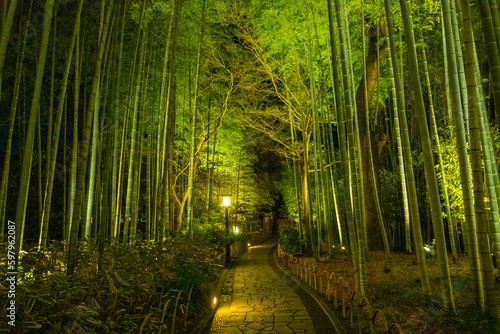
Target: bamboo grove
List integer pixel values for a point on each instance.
(127, 120)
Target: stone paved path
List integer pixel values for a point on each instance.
(262, 302)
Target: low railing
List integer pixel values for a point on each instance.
(360, 312)
(252, 239)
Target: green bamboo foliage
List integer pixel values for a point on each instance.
(410, 178)
(30, 136)
(490, 302)
(57, 126)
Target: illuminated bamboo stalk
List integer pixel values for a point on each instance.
(401, 162)
(57, 126)
(5, 37)
(114, 215)
(357, 225)
(444, 185)
(493, 53)
(73, 242)
(460, 64)
(337, 82)
(405, 137)
(129, 203)
(12, 120)
(490, 302)
(30, 135)
(433, 189)
(191, 171)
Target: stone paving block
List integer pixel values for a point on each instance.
(283, 329)
(247, 330)
(260, 314)
(234, 321)
(298, 326)
(286, 307)
(253, 318)
(256, 325)
(283, 313)
(280, 319)
(302, 313)
(230, 330)
(269, 319)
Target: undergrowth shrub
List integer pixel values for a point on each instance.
(289, 240)
(126, 289)
(211, 227)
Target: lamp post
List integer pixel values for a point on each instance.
(226, 203)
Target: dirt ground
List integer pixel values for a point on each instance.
(394, 286)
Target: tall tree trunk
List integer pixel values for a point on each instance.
(378, 238)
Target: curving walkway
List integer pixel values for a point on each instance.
(261, 301)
